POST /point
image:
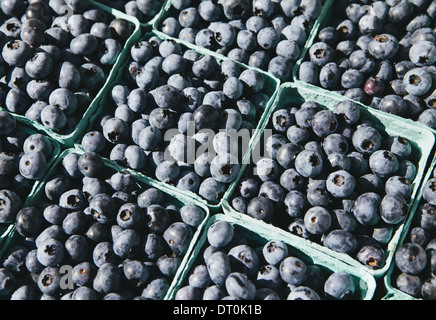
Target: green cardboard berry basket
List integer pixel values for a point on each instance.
(169, 11)
(5, 228)
(106, 107)
(11, 236)
(258, 235)
(68, 140)
(393, 293)
(421, 138)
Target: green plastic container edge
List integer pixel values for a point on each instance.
(11, 234)
(272, 84)
(422, 140)
(319, 23)
(392, 292)
(68, 140)
(6, 227)
(257, 232)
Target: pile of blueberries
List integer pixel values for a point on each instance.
(24, 159)
(381, 53)
(264, 34)
(173, 113)
(231, 266)
(111, 237)
(415, 259)
(330, 176)
(143, 10)
(55, 57)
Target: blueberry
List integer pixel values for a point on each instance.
(238, 285)
(260, 208)
(127, 243)
(397, 185)
(188, 292)
(92, 76)
(268, 277)
(156, 289)
(154, 246)
(383, 46)
(423, 53)
(192, 215)
(135, 157)
(303, 293)
(178, 236)
(39, 65)
(340, 285)
(54, 214)
(244, 259)
(374, 86)
(410, 258)
(252, 79)
(103, 208)
(33, 165)
(372, 256)
(317, 220)
(218, 266)
(340, 184)
(287, 154)
(214, 292)
(324, 122)
(366, 140)
(366, 208)
(90, 164)
(149, 197)
(320, 53)
(50, 252)
(383, 163)
(280, 67)
(393, 209)
(157, 218)
(409, 284)
(393, 103)
(107, 279)
(224, 168)
(309, 163)
(275, 252)
(53, 117)
(220, 233)
(341, 241)
(10, 204)
(103, 253)
(427, 289)
(212, 190)
(38, 142)
(49, 281)
(293, 270)
(93, 141)
(417, 81)
(74, 222)
(272, 191)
